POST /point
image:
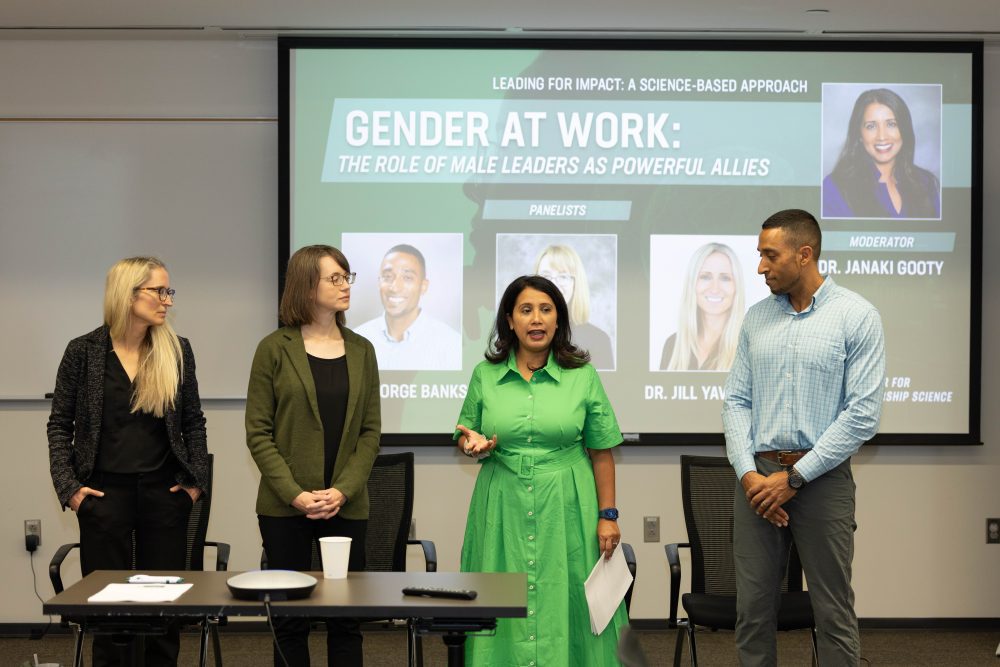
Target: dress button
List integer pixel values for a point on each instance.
(531, 488)
(531, 514)
(530, 397)
(529, 438)
(531, 587)
(531, 612)
(531, 538)
(531, 562)
(531, 638)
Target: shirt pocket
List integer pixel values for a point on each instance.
(824, 354)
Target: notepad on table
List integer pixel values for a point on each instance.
(140, 593)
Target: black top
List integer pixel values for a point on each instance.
(330, 378)
(131, 442)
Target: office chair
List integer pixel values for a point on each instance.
(708, 485)
(196, 543)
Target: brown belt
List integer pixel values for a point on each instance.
(784, 457)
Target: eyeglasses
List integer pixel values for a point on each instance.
(340, 278)
(163, 293)
(559, 278)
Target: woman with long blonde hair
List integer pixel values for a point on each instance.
(562, 265)
(711, 313)
(127, 446)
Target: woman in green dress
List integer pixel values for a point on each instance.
(547, 474)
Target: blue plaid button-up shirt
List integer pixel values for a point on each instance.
(800, 380)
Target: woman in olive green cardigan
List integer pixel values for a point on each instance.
(313, 425)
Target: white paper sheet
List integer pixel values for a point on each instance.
(140, 593)
(605, 588)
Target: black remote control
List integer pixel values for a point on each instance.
(435, 592)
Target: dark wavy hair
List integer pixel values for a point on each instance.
(853, 173)
(503, 340)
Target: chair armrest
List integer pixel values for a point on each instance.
(629, 554)
(430, 554)
(674, 561)
(221, 554)
(55, 565)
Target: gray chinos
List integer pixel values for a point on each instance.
(821, 523)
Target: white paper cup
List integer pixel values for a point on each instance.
(335, 552)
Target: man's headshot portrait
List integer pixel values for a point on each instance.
(406, 335)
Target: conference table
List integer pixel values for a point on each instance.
(361, 594)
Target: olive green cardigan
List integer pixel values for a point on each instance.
(285, 434)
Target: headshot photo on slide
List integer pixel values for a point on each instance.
(584, 267)
(700, 289)
(881, 151)
(407, 298)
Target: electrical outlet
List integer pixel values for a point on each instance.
(650, 529)
(993, 531)
(32, 534)
(413, 529)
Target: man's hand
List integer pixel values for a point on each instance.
(766, 495)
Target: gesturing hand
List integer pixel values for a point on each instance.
(475, 444)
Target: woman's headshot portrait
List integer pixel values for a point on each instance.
(560, 264)
(583, 267)
(705, 305)
(876, 173)
(712, 307)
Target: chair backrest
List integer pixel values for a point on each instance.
(390, 509)
(708, 487)
(197, 528)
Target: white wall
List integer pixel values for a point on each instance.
(921, 550)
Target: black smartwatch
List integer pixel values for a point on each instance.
(795, 480)
(610, 513)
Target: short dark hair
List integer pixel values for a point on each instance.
(409, 250)
(503, 340)
(799, 226)
(301, 278)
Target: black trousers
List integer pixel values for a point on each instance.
(139, 504)
(288, 543)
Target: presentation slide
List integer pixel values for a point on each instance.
(636, 178)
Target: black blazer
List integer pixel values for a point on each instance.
(74, 427)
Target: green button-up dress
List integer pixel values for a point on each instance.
(534, 509)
